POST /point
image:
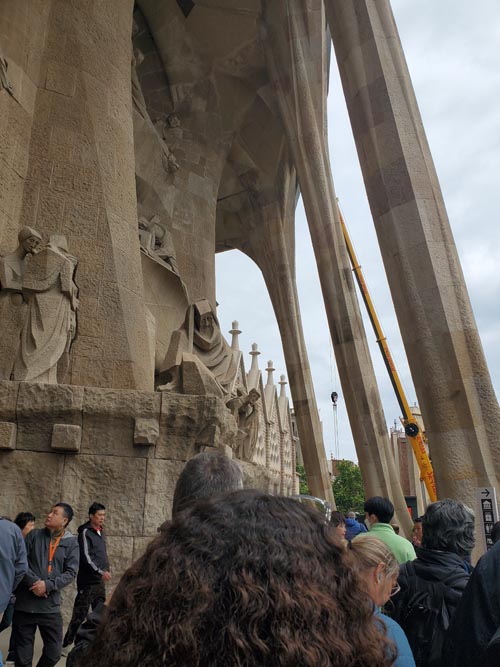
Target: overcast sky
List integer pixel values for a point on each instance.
(453, 54)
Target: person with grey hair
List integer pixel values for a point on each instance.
(206, 474)
(432, 585)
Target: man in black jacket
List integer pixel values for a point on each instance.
(94, 569)
(52, 564)
(432, 585)
(469, 641)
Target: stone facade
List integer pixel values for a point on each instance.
(137, 139)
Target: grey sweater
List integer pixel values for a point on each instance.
(64, 570)
(13, 564)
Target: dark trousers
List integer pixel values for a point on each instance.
(24, 627)
(87, 596)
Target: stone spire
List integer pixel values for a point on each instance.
(235, 333)
(270, 370)
(282, 384)
(270, 388)
(254, 373)
(283, 399)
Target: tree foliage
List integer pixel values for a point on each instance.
(303, 486)
(348, 487)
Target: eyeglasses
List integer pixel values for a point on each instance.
(395, 590)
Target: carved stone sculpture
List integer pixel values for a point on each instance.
(50, 326)
(13, 309)
(200, 336)
(244, 410)
(5, 84)
(157, 241)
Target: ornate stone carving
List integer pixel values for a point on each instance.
(173, 120)
(50, 325)
(5, 84)
(138, 101)
(157, 241)
(200, 336)
(13, 309)
(244, 410)
(169, 160)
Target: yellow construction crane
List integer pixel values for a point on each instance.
(412, 429)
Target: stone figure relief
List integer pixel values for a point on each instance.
(170, 121)
(138, 101)
(13, 307)
(200, 336)
(157, 241)
(169, 161)
(5, 84)
(246, 414)
(50, 325)
(173, 121)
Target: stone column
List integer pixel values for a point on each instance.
(80, 182)
(298, 70)
(445, 354)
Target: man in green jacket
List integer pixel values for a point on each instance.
(378, 514)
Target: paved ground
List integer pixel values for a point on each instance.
(4, 645)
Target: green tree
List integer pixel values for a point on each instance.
(348, 487)
(303, 486)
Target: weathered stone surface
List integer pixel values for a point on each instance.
(120, 552)
(118, 482)
(109, 418)
(160, 484)
(189, 422)
(66, 437)
(31, 481)
(140, 546)
(39, 407)
(255, 476)
(197, 379)
(146, 431)
(8, 400)
(8, 435)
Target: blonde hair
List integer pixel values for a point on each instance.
(369, 552)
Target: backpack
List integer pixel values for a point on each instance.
(425, 617)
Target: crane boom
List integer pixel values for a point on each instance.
(412, 429)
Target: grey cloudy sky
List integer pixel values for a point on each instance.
(453, 54)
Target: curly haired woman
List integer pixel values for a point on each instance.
(244, 580)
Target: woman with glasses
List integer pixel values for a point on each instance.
(379, 570)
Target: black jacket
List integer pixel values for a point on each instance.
(86, 635)
(93, 556)
(432, 566)
(477, 617)
(64, 569)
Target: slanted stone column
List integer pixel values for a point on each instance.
(298, 70)
(78, 176)
(452, 381)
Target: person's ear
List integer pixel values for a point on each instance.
(379, 570)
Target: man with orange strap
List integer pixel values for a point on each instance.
(53, 557)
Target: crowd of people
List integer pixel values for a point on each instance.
(240, 577)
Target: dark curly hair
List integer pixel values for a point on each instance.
(242, 580)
